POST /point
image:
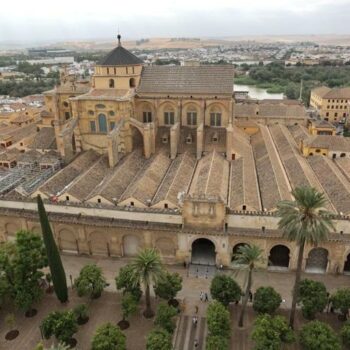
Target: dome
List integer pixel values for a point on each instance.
(120, 57)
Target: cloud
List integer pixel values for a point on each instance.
(69, 20)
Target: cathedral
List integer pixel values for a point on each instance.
(168, 157)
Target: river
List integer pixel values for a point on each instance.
(257, 93)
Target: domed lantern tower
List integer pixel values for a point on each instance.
(120, 69)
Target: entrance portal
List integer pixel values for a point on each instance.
(317, 261)
(203, 252)
(347, 265)
(279, 257)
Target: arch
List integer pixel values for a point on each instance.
(131, 245)
(215, 115)
(235, 251)
(111, 83)
(317, 261)
(36, 229)
(11, 230)
(203, 252)
(146, 112)
(67, 241)
(132, 82)
(169, 114)
(346, 270)
(102, 123)
(99, 243)
(279, 257)
(166, 246)
(191, 114)
(137, 138)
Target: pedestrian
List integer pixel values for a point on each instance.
(195, 320)
(196, 344)
(206, 297)
(250, 296)
(201, 296)
(196, 309)
(185, 264)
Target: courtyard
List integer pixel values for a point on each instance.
(107, 308)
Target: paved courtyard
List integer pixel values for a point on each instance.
(107, 308)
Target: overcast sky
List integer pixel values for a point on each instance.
(31, 20)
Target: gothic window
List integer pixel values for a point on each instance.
(111, 83)
(147, 117)
(92, 126)
(102, 123)
(169, 118)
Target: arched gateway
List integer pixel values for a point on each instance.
(317, 261)
(203, 252)
(279, 257)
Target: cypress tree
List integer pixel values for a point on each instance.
(57, 271)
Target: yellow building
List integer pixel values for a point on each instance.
(331, 104)
(321, 127)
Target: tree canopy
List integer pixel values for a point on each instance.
(90, 281)
(266, 300)
(168, 285)
(159, 339)
(165, 317)
(341, 300)
(108, 337)
(21, 263)
(218, 320)
(225, 289)
(271, 332)
(61, 324)
(317, 335)
(313, 297)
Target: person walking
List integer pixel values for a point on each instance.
(206, 297)
(196, 344)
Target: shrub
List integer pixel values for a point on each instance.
(61, 324)
(218, 320)
(313, 297)
(165, 317)
(81, 312)
(341, 300)
(128, 282)
(168, 286)
(159, 339)
(108, 337)
(90, 282)
(266, 300)
(225, 289)
(215, 342)
(345, 334)
(271, 332)
(317, 335)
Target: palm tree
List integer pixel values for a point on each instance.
(148, 269)
(247, 256)
(303, 220)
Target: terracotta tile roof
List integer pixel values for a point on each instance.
(333, 143)
(187, 80)
(120, 57)
(321, 91)
(44, 139)
(338, 93)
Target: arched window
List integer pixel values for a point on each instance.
(147, 114)
(191, 116)
(215, 117)
(102, 123)
(169, 116)
(132, 82)
(111, 83)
